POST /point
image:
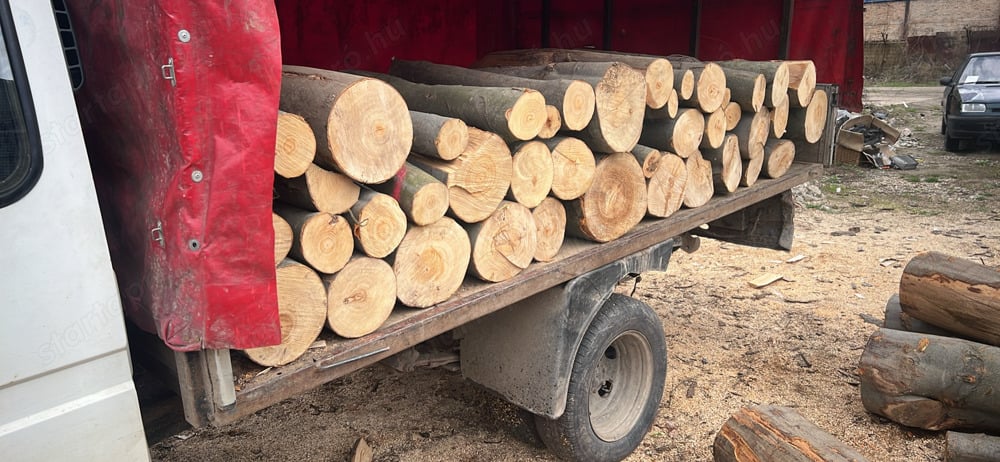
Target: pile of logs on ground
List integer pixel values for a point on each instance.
(935, 364)
(391, 188)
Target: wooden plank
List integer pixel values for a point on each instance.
(408, 327)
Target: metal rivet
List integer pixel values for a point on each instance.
(184, 35)
(193, 244)
(197, 176)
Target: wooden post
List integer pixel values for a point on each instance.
(302, 310)
(778, 434)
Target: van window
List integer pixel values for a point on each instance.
(20, 146)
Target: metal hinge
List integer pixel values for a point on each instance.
(157, 233)
(167, 71)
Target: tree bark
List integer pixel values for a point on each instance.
(477, 180)
(964, 447)
(438, 136)
(896, 319)
(649, 159)
(734, 112)
(430, 263)
(954, 294)
(700, 184)
(683, 83)
(422, 197)
(573, 166)
(282, 237)
(665, 188)
(715, 129)
(614, 203)
(727, 167)
(620, 95)
(318, 190)
(931, 382)
(360, 297)
(681, 136)
(778, 434)
(368, 149)
(573, 98)
(503, 244)
(668, 111)
(531, 180)
(302, 309)
(808, 124)
(550, 225)
(322, 240)
(378, 223)
(294, 145)
(778, 157)
(553, 123)
(776, 73)
(779, 119)
(753, 130)
(709, 89)
(801, 82)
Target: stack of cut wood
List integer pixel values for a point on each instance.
(391, 188)
(934, 364)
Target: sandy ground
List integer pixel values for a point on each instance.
(793, 343)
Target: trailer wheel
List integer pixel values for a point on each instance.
(615, 386)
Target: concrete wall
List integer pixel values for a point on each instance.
(885, 21)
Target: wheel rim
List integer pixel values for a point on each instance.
(620, 386)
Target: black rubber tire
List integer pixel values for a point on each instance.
(621, 361)
(951, 144)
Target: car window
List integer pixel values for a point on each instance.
(981, 69)
(20, 148)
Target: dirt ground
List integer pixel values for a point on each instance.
(794, 343)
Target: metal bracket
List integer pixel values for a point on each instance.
(167, 71)
(157, 233)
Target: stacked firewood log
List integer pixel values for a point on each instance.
(934, 363)
(391, 188)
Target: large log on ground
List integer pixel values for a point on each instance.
(779, 119)
(681, 136)
(573, 166)
(715, 129)
(430, 263)
(954, 294)
(423, 198)
(753, 130)
(550, 227)
(360, 296)
(477, 180)
(503, 244)
(746, 88)
(931, 382)
(531, 180)
(709, 88)
(614, 203)
(777, 434)
(700, 184)
(573, 98)
(438, 136)
(658, 72)
(965, 447)
(808, 123)
(302, 312)
(727, 167)
(896, 319)
(620, 94)
(734, 112)
(778, 157)
(294, 145)
(322, 240)
(553, 123)
(318, 189)
(801, 82)
(665, 186)
(776, 73)
(378, 223)
(282, 237)
(362, 126)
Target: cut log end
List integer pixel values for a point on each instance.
(360, 297)
(294, 146)
(578, 105)
(527, 116)
(550, 226)
(778, 157)
(318, 189)
(816, 114)
(700, 186)
(751, 171)
(659, 74)
(779, 119)
(614, 203)
(378, 223)
(438, 136)
(504, 244)
(733, 114)
(452, 139)
(727, 166)
(322, 240)
(672, 105)
(665, 187)
(301, 312)
(753, 130)
(573, 166)
(531, 180)
(620, 107)
(422, 197)
(649, 159)
(801, 82)
(431, 262)
(684, 83)
(552, 124)
(715, 129)
(282, 237)
(711, 88)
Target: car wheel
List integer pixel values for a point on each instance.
(951, 144)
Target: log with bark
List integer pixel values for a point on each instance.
(282, 237)
(318, 189)
(778, 157)
(504, 244)
(931, 382)
(531, 180)
(727, 166)
(553, 123)
(378, 222)
(573, 166)
(681, 136)
(776, 73)
(734, 112)
(422, 197)
(477, 180)
(779, 119)
(778, 434)
(965, 447)
(294, 145)
(747, 88)
(955, 294)
(649, 159)
(700, 184)
(683, 83)
(430, 263)
(665, 187)
(753, 130)
(715, 129)
(321, 240)
(360, 297)
(801, 82)
(809, 123)
(302, 313)
(751, 171)
(709, 88)
(362, 126)
(620, 100)
(896, 319)
(438, 136)
(550, 227)
(668, 111)
(573, 98)
(614, 203)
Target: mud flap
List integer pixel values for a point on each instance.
(769, 224)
